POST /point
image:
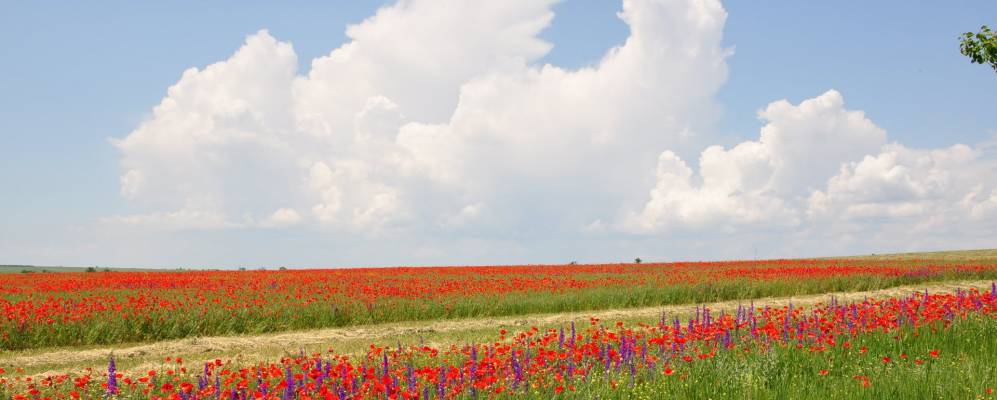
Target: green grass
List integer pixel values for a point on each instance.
(965, 369)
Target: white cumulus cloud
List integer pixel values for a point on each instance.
(899, 182)
(437, 118)
(799, 149)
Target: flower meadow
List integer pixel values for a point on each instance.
(71, 309)
(922, 345)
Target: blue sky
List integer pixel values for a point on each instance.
(76, 75)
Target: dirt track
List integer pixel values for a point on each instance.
(249, 347)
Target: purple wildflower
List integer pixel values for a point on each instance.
(517, 371)
(572, 343)
(289, 388)
(112, 377)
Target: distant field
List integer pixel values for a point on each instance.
(954, 255)
(6, 269)
(957, 255)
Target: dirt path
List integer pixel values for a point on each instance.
(252, 348)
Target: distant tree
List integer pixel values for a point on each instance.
(980, 47)
(283, 268)
(637, 260)
(91, 269)
(107, 269)
(27, 271)
(573, 263)
(242, 268)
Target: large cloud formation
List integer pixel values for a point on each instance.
(435, 118)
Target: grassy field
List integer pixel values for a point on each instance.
(357, 339)
(951, 357)
(965, 369)
(77, 309)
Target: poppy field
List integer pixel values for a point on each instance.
(71, 309)
(919, 346)
(748, 344)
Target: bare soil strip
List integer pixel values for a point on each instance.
(258, 347)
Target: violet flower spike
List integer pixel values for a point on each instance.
(112, 377)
